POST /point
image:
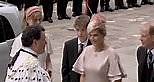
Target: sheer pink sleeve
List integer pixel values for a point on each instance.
(79, 64)
(116, 70)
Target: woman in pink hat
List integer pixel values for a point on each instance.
(98, 62)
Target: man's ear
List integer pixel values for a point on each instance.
(34, 42)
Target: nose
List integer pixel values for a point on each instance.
(79, 32)
(38, 22)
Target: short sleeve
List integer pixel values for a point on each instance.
(79, 64)
(115, 71)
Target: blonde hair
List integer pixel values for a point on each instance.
(100, 29)
(30, 12)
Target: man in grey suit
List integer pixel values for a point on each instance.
(73, 48)
(145, 54)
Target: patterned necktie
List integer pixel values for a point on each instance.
(81, 48)
(150, 55)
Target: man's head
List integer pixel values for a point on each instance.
(34, 37)
(147, 35)
(80, 26)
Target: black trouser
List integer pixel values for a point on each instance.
(145, 1)
(131, 2)
(104, 3)
(30, 3)
(92, 4)
(61, 8)
(47, 8)
(77, 6)
(119, 3)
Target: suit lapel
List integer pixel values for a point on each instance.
(76, 55)
(75, 48)
(143, 60)
(88, 43)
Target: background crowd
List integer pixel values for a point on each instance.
(90, 8)
(86, 58)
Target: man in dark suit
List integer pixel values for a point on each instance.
(47, 9)
(77, 7)
(132, 3)
(73, 48)
(91, 7)
(145, 54)
(61, 9)
(119, 4)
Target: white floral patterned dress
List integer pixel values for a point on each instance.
(27, 69)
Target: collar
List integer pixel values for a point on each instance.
(84, 43)
(29, 50)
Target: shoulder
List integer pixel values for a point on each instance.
(18, 37)
(112, 53)
(141, 48)
(110, 50)
(30, 61)
(72, 41)
(141, 52)
(89, 47)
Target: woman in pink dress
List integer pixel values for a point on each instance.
(99, 62)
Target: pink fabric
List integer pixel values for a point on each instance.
(101, 66)
(98, 18)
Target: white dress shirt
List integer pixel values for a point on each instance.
(84, 44)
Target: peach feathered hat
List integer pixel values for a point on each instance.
(98, 19)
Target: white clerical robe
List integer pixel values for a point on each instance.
(27, 69)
